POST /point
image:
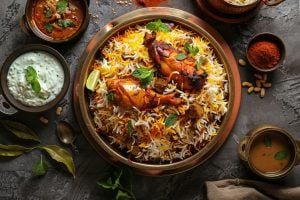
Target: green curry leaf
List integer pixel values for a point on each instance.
(48, 12)
(40, 168)
(13, 150)
(20, 130)
(61, 155)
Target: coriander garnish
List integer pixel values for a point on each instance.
(61, 6)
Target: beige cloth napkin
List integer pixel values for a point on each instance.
(240, 189)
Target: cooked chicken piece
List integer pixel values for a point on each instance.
(127, 93)
(183, 72)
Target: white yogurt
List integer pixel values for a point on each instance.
(50, 75)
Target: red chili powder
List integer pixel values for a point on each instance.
(149, 3)
(264, 54)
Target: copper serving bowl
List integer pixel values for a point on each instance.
(30, 27)
(31, 48)
(81, 101)
(229, 8)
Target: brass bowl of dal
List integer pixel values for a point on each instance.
(142, 16)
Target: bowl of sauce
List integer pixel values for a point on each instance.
(34, 78)
(269, 151)
(56, 21)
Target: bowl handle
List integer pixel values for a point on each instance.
(24, 26)
(242, 148)
(297, 152)
(272, 2)
(5, 107)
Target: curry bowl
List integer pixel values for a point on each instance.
(56, 21)
(269, 151)
(94, 54)
(34, 78)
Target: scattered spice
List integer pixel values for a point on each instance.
(264, 54)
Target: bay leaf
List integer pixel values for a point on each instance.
(20, 130)
(13, 150)
(61, 155)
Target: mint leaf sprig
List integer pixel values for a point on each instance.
(158, 25)
(146, 76)
(120, 182)
(31, 78)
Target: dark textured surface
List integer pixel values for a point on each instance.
(281, 107)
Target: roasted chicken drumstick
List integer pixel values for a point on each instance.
(183, 72)
(127, 93)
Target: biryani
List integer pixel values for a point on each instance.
(161, 92)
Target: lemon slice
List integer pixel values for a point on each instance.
(92, 80)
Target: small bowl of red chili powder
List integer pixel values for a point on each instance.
(266, 52)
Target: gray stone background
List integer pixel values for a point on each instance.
(281, 107)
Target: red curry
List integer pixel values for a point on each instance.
(59, 19)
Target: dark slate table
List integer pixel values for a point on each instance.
(281, 107)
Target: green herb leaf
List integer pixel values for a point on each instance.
(13, 150)
(48, 27)
(280, 155)
(20, 130)
(200, 62)
(190, 48)
(107, 184)
(30, 74)
(121, 195)
(146, 76)
(120, 182)
(61, 155)
(142, 73)
(130, 127)
(35, 85)
(158, 25)
(267, 141)
(110, 96)
(146, 81)
(61, 6)
(171, 119)
(181, 56)
(65, 23)
(48, 12)
(40, 168)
